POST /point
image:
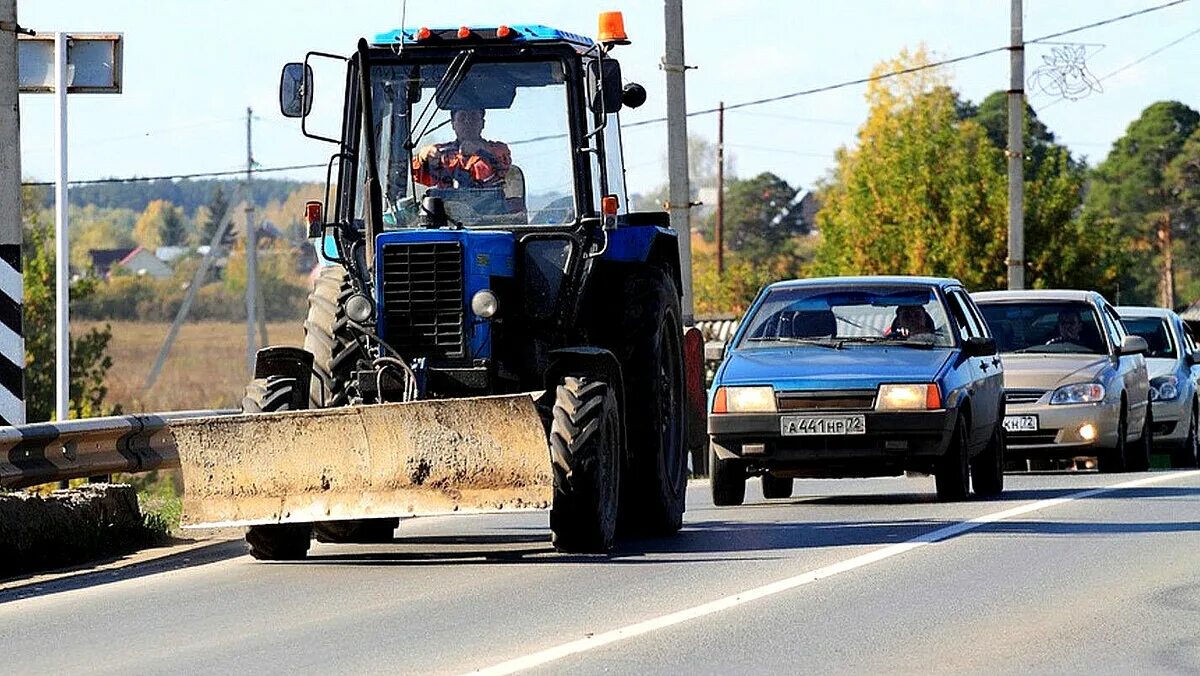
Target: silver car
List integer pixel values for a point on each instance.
(1171, 360)
(1075, 382)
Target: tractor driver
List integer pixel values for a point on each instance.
(470, 161)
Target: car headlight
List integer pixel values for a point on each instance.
(484, 303)
(744, 400)
(915, 397)
(1164, 388)
(1079, 393)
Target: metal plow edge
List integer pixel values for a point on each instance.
(415, 458)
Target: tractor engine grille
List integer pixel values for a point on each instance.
(423, 299)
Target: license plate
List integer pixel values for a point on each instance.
(1020, 423)
(807, 425)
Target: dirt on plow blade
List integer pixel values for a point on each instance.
(424, 457)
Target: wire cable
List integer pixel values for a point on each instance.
(172, 177)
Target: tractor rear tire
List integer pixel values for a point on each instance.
(335, 353)
(774, 487)
(585, 437)
(647, 339)
(285, 541)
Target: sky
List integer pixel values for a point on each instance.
(192, 69)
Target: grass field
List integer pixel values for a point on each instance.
(206, 367)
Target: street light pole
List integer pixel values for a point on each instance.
(679, 200)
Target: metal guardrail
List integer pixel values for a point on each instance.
(57, 451)
(46, 452)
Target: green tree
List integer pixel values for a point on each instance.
(921, 192)
(1183, 185)
(173, 229)
(217, 206)
(1129, 198)
(758, 223)
(89, 359)
(1059, 250)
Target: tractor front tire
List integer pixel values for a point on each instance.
(585, 435)
(284, 541)
(335, 353)
(648, 341)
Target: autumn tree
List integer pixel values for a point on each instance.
(160, 224)
(214, 213)
(920, 192)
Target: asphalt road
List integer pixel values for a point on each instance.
(847, 577)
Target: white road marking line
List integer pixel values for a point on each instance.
(594, 641)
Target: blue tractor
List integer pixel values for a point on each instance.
(477, 240)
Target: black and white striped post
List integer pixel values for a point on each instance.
(12, 338)
(12, 341)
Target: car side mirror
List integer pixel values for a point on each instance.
(296, 90)
(978, 346)
(1134, 345)
(1193, 358)
(714, 351)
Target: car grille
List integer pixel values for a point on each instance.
(423, 299)
(1039, 438)
(1023, 396)
(847, 400)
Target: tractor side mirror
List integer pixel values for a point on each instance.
(296, 90)
(633, 95)
(604, 86)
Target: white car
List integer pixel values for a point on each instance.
(1171, 360)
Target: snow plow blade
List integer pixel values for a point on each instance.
(416, 458)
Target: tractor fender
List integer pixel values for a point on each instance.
(290, 362)
(593, 361)
(651, 244)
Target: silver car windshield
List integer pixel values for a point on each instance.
(838, 316)
(1156, 332)
(1044, 327)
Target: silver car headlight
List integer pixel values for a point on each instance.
(1164, 388)
(1079, 393)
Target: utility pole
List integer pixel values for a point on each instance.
(679, 199)
(251, 253)
(1016, 152)
(720, 227)
(12, 294)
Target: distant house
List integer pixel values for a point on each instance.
(104, 259)
(141, 261)
(168, 254)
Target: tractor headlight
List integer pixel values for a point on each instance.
(1164, 388)
(744, 400)
(1079, 393)
(484, 304)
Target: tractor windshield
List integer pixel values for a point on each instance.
(489, 138)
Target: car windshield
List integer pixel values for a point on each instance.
(489, 138)
(1044, 327)
(839, 316)
(1156, 332)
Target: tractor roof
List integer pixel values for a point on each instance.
(443, 36)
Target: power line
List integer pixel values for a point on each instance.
(204, 174)
(913, 69)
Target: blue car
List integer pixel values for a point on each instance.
(858, 377)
